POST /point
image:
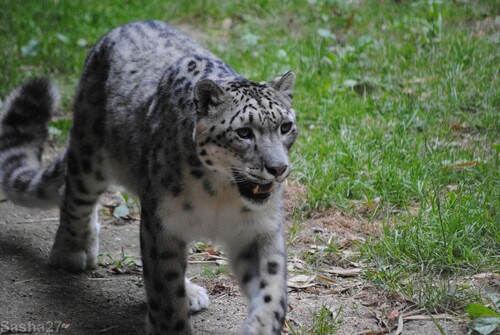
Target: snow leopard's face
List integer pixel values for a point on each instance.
(245, 130)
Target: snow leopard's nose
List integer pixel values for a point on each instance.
(276, 170)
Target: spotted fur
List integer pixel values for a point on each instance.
(204, 149)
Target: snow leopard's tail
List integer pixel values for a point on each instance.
(23, 131)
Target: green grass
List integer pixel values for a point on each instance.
(214, 271)
(390, 99)
(106, 259)
(325, 322)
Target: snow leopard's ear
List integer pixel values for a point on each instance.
(207, 94)
(285, 84)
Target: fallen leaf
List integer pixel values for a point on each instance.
(341, 272)
(30, 48)
(326, 33)
(301, 278)
(340, 290)
(107, 329)
(424, 95)
(301, 281)
(82, 42)
(485, 326)
(458, 127)
(393, 315)
(63, 38)
(121, 211)
(399, 330)
(325, 279)
(220, 289)
(227, 23)
(429, 317)
(250, 39)
(350, 83)
(374, 332)
(460, 166)
(485, 275)
(350, 19)
(120, 270)
(213, 252)
(422, 80)
(408, 90)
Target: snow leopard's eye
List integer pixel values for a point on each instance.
(245, 133)
(286, 127)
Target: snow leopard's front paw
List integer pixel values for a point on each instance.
(250, 330)
(197, 297)
(261, 324)
(73, 258)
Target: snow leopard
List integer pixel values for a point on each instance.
(205, 150)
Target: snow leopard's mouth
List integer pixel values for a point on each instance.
(252, 190)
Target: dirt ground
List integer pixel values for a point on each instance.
(111, 299)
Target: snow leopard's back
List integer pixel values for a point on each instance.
(123, 77)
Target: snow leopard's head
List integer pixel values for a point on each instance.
(245, 130)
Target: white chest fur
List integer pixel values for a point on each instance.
(223, 216)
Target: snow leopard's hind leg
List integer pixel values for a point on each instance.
(77, 242)
(73, 181)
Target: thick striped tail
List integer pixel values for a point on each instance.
(23, 131)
